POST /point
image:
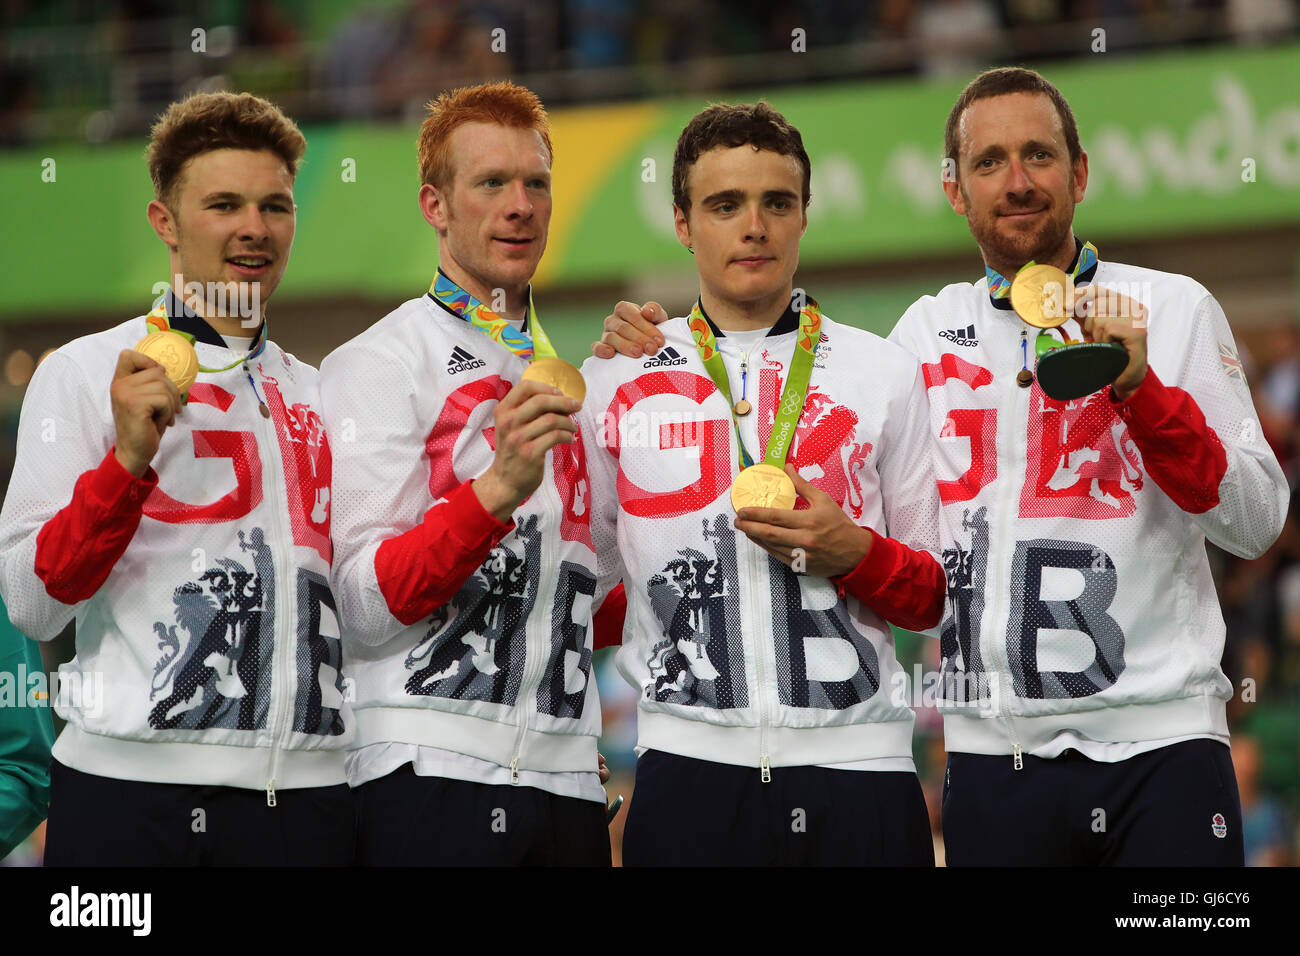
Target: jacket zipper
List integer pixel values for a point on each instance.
(764, 760)
(280, 662)
(526, 688)
(1003, 590)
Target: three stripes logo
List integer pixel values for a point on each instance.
(964, 336)
(667, 356)
(462, 361)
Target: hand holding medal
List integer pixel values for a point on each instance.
(558, 373)
(1044, 297)
(820, 540)
(145, 403)
(175, 354)
(533, 417)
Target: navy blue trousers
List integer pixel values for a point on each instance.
(103, 821)
(1175, 806)
(688, 812)
(409, 820)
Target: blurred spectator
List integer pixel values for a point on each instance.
(599, 32)
(270, 56)
(438, 50)
(142, 43)
(1267, 836)
(265, 26)
(895, 32)
(18, 98)
(1278, 397)
(353, 56)
(1261, 21)
(957, 38)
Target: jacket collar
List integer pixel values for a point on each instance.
(788, 322)
(184, 319)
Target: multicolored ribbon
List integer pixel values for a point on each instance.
(498, 329)
(790, 405)
(1000, 285)
(159, 321)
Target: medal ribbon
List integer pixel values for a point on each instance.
(1000, 285)
(498, 329)
(158, 321)
(790, 405)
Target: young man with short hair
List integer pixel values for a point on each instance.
(205, 710)
(465, 566)
(771, 726)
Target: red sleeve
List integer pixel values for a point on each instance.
(903, 586)
(1180, 451)
(607, 623)
(421, 570)
(77, 548)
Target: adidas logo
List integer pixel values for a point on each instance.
(964, 336)
(462, 361)
(667, 356)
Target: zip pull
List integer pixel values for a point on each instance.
(1017, 760)
(514, 771)
(270, 792)
(765, 765)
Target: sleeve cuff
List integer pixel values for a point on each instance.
(1149, 401)
(110, 483)
(607, 623)
(470, 521)
(882, 558)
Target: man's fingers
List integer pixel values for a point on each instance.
(771, 536)
(804, 489)
(544, 404)
(654, 312)
(539, 448)
(130, 361)
(636, 326)
(531, 430)
(645, 326)
(777, 517)
(525, 389)
(515, 406)
(603, 351)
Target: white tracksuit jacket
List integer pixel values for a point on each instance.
(736, 658)
(1080, 602)
(213, 635)
(500, 669)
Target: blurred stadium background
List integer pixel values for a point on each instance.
(1190, 112)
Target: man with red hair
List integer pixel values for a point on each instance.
(464, 565)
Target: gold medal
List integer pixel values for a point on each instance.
(1042, 295)
(763, 486)
(557, 372)
(175, 354)
(743, 408)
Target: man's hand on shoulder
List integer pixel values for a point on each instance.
(630, 330)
